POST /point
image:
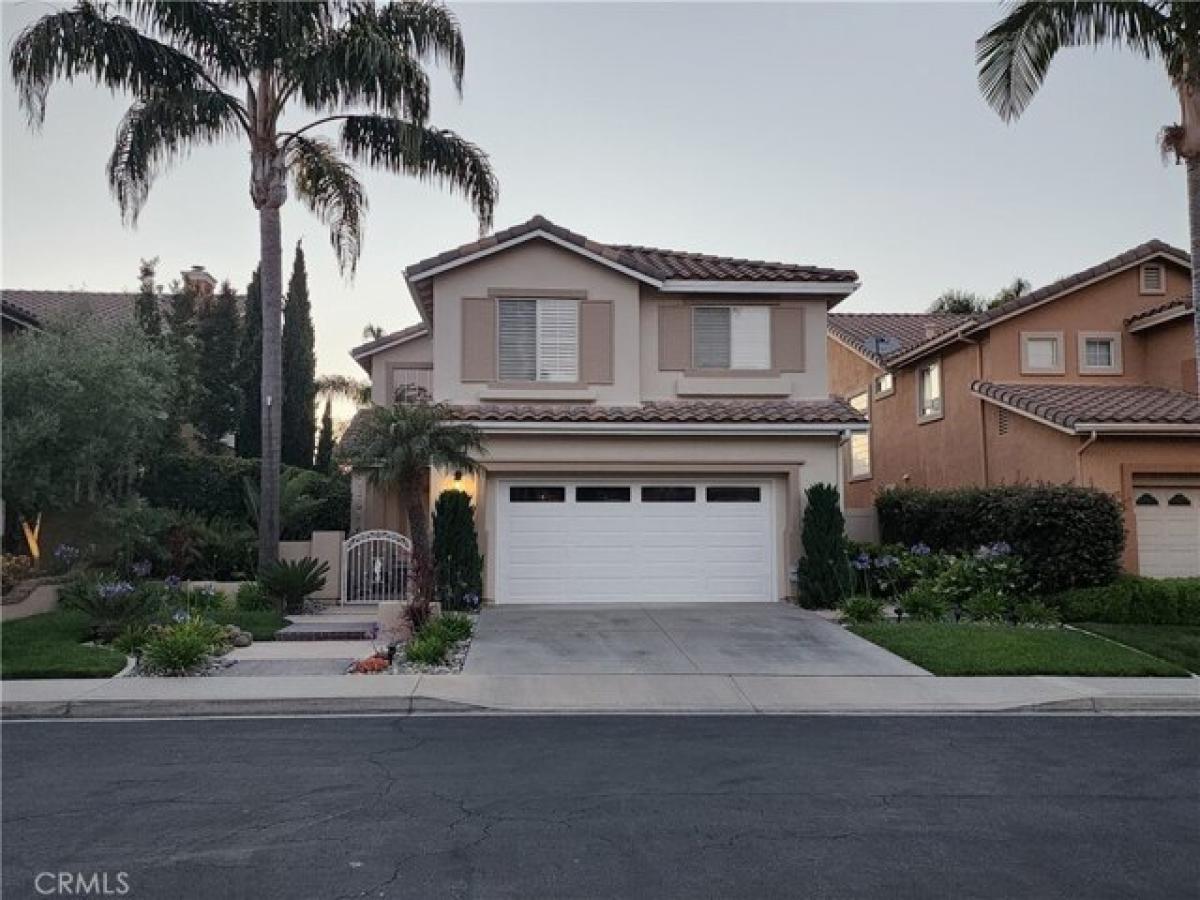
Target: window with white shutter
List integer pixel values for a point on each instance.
(731, 337)
(539, 339)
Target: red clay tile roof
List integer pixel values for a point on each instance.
(907, 330)
(1181, 303)
(649, 261)
(831, 411)
(1072, 405)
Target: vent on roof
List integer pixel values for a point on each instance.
(1153, 279)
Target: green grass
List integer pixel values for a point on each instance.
(50, 646)
(1177, 643)
(947, 649)
(261, 623)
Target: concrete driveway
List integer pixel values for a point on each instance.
(675, 639)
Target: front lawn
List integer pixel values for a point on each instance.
(965, 649)
(1177, 643)
(261, 623)
(50, 646)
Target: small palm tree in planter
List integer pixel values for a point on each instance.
(398, 446)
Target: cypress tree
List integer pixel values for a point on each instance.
(825, 569)
(182, 343)
(324, 461)
(458, 565)
(149, 317)
(217, 400)
(298, 426)
(249, 374)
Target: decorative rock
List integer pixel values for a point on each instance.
(243, 639)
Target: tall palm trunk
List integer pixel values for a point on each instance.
(271, 250)
(1193, 181)
(421, 571)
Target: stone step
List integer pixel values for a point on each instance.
(327, 631)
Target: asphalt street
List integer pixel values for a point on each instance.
(566, 807)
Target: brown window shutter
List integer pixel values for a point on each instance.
(674, 338)
(479, 339)
(596, 342)
(787, 338)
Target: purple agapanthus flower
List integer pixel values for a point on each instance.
(886, 562)
(919, 549)
(115, 590)
(471, 601)
(862, 562)
(142, 568)
(67, 554)
(172, 582)
(993, 550)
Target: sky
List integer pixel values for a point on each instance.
(845, 135)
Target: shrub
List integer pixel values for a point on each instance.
(1067, 536)
(1131, 600)
(133, 638)
(110, 603)
(862, 610)
(251, 597)
(987, 606)
(458, 565)
(429, 647)
(1034, 612)
(178, 649)
(924, 603)
(14, 568)
(823, 573)
(290, 582)
(180, 543)
(453, 627)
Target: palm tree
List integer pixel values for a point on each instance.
(959, 301)
(1015, 55)
(398, 445)
(372, 332)
(355, 390)
(205, 72)
(1018, 287)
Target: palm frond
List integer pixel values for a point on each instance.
(156, 131)
(427, 30)
(1014, 55)
(213, 33)
(326, 183)
(425, 153)
(85, 41)
(361, 64)
(352, 389)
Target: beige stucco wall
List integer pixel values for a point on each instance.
(1166, 355)
(540, 267)
(811, 383)
(416, 352)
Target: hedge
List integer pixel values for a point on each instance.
(1131, 600)
(213, 487)
(1067, 536)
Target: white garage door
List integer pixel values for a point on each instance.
(626, 541)
(1168, 530)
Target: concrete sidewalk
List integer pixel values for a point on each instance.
(548, 694)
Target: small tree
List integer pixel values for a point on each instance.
(397, 446)
(149, 316)
(217, 401)
(458, 565)
(298, 423)
(824, 571)
(324, 460)
(249, 374)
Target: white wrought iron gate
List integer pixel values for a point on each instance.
(375, 567)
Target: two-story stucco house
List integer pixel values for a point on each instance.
(652, 417)
(1089, 380)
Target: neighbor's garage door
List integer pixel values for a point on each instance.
(634, 542)
(1168, 530)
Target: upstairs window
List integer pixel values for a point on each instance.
(860, 441)
(1099, 353)
(1153, 278)
(731, 337)
(929, 391)
(539, 339)
(885, 385)
(1042, 353)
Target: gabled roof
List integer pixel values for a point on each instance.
(858, 331)
(1083, 408)
(665, 269)
(982, 321)
(364, 352)
(42, 308)
(1164, 312)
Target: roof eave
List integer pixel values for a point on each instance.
(811, 429)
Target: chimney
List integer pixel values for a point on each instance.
(198, 279)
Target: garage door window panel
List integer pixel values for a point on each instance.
(528, 494)
(668, 494)
(602, 494)
(722, 494)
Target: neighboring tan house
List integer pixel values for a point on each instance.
(652, 417)
(1090, 380)
(22, 310)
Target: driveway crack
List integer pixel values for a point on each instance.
(670, 637)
